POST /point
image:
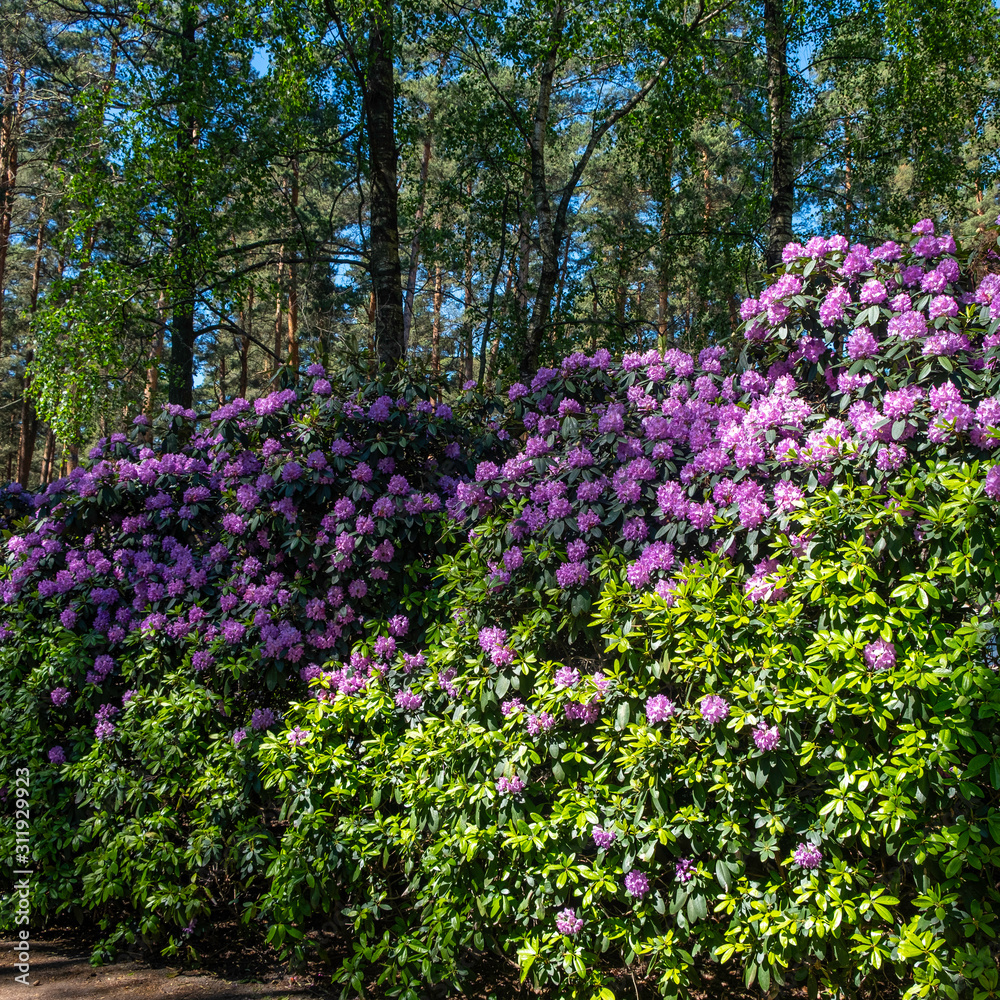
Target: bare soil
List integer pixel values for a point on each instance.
(61, 970)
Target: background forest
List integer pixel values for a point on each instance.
(199, 199)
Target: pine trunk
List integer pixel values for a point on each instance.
(779, 99)
(29, 416)
(384, 264)
(293, 291)
(663, 271)
(48, 456)
(9, 126)
(436, 323)
(411, 276)
(246, 324)
(182, 334)
(276, 357)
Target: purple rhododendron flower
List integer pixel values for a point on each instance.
(603, 838)
(567, 677)
(262, 718)
(714, 709)
(540, 723)
(511, 786)
(567, 922)
(409, 701)
(880, 655)
(659, 708)
(766, 737)
(684, 869)
(399, 625)
(861, 344)
(57, 755)
(807, 856)
(512, 706)
(233, 524)
(636, 884)
(59, 696)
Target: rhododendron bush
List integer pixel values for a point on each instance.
(660, 662)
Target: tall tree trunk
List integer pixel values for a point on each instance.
(9, 127)
(595, 303)
(293, 291)
(276, 359)
(483, 373)
(779, 100)
(523, 252)
(436, 322)
(182, 334)
(848, 177)
(29, 417)
(384, 264)
(155, 357)
(620, 293)
(467, 325)
(663, 270)
(246, 324)
(222, 378)
(411, 276)
(48, 456)
(29, 425)
(563, 270)
(549, 236)
(36, 271)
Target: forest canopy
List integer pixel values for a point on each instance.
(199, 199)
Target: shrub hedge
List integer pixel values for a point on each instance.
(672, 661)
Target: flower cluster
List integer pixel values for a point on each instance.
(636, 883)
(807, 856)
(229, 536)
(513, 786)
(567, 922)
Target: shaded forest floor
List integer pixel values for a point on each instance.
(61, 970)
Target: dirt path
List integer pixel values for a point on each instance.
(61, 971)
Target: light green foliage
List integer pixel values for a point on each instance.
(892, 773)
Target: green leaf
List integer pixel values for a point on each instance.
(622, 716)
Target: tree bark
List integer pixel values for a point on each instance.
(663, 271)
(384, 264)
(155, 357)
(276, 360)
(549, 237)
(523, 252)
(48, 456)
(467, 325)
(411, 277)
(848, 178)
(483, 372)
(29, 425)
(29, 416)
(246, 324)
(436, 323)
(9, 127)
(182, 334)
(779, 100)
(293, 291)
